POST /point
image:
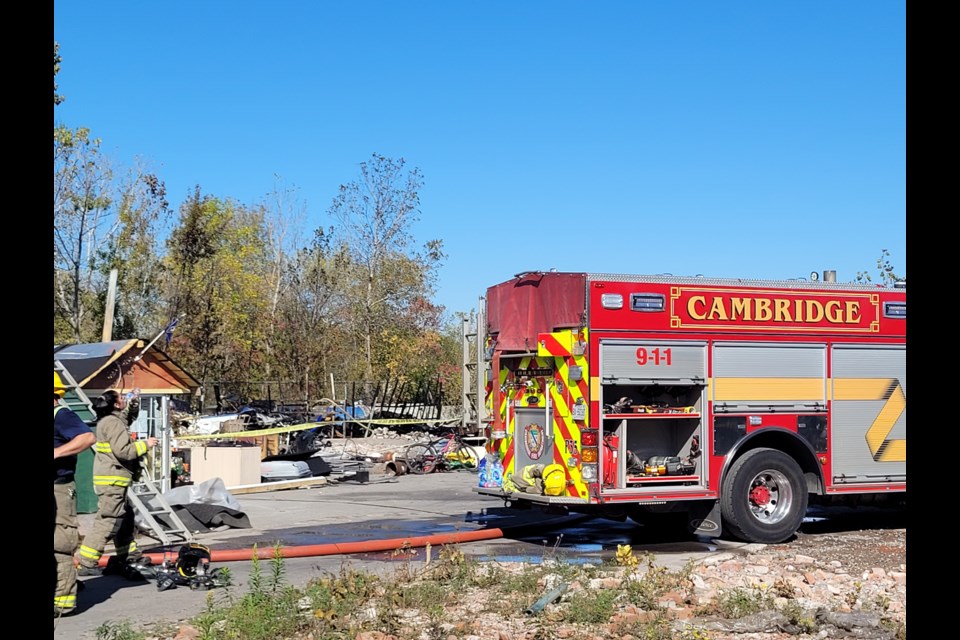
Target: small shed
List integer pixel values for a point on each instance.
(125, 365)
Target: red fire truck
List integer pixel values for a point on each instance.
(726, 405)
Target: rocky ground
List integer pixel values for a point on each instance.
(847, 584)
(843, 575)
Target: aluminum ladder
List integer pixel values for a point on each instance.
(164, 524)
(475, 372)
(74, 398)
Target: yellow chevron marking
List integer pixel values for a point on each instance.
(770, 389)
(881, 446)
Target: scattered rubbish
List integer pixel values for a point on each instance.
(550, 596)
(272, 470)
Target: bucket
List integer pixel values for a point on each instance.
(397, 467)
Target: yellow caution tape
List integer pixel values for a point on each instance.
(307, 425)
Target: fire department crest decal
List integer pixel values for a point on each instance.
(533, 441)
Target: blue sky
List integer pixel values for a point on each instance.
(729, 139)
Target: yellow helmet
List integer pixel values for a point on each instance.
(554, 480)
(58, 388)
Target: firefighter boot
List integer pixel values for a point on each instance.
(83, 570)
(140, 568)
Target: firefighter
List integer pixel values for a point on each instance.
(115, 468)
(71, 436)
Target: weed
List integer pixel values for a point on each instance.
(118, 631)
(659, 628)
(277, 568)
(743, 601)
(854, 595)
(899, 629)
(271, 609)
(646, 589)
(590, 607)
(524, 581)
(625, 557)
(782, 588)
(452, 568)
(255, 581)
(880, 602)
(487, 575)
(799, 617)
(224, 577)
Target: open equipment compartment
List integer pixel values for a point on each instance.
(653, 395)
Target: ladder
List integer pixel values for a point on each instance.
(157, 514)
(74, 398)
(474, 372)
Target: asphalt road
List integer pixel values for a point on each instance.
(391, 508)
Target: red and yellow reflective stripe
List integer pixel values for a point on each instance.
(566, 430)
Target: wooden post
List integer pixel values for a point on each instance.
(107, 334)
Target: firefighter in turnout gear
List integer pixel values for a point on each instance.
(115, 468)
(71, 436)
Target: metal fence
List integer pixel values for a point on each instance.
(388, 398)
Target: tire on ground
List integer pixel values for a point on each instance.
(764, 497)
(420, 458)
(467, 457)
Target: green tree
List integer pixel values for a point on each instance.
(310, 337)
(215, 274)
(57, 98)
(888, 277)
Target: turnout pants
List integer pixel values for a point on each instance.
(66, 535)
(114, 522)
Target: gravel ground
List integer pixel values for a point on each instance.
(846, 567)
(858, 551)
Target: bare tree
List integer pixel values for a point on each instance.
(82, 223)
(376, 215)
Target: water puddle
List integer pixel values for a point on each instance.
(577, 539)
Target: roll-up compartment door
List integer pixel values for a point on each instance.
(869, 413)
(652, 362)
(765, 377)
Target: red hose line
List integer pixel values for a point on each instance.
(335, 548)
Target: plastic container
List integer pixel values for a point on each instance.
(484, 472)
(496, 473)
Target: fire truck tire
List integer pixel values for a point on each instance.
(764, 497)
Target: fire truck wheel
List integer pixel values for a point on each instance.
(764, 497)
